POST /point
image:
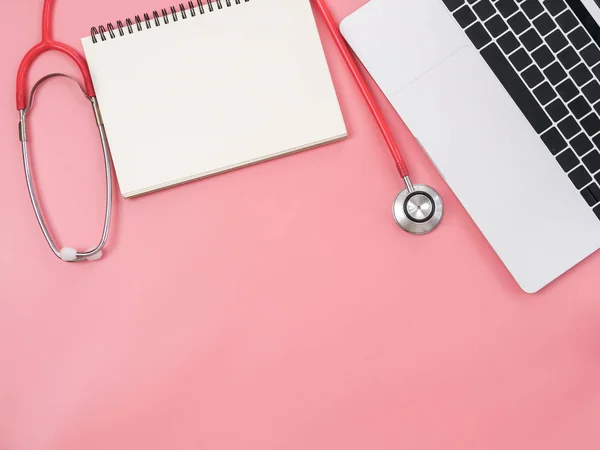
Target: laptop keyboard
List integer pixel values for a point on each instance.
(545, 58)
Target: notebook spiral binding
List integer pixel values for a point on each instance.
(110, 31)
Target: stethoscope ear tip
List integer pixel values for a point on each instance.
(419, 210)
(95, 257)
(68, 254)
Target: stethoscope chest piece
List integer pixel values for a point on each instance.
(418, 209)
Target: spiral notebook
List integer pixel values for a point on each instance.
(198, 89)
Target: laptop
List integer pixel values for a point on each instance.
(504, 97)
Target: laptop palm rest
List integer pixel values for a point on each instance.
(381, 29)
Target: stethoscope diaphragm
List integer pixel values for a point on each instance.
(418, 209)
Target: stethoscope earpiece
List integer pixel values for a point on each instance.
(418, 209)
(66, 254)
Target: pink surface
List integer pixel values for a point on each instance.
(277, 307)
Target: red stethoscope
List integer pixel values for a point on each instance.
(418, 209)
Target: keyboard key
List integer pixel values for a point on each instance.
(464, 16)
(508, 43)
(496, 26)
(579, 38)
(567, 160)
(581, 144)
(554, 141)
(591, 194)
(533, 76)
(521, 59)
(592, 161)
(544, 93)
(556, 41)
(580, 177)
(591, 55)
(453, 4)
(597, 211)
(591, 124)
(557, 110)
(543, 56)
(596, 71)
(555, 73)
(555, 7)
(484, 9)
(569, 127)
(567, 90)
(579, 107)
(567, 21)
(531, 39)
(544, 24)
(532, 8)
(592, 91)
(581, 74)
(479, 37)
(596, 141)
(506, 7)
(520, 94)
(519, 23)
(568, 57)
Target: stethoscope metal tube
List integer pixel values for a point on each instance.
(418, 209)
(67, 254)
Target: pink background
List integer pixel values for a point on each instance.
(277, 307)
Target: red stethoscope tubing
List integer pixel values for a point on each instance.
(47, 44)
(364, 88)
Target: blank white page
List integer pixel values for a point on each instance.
(213, 92)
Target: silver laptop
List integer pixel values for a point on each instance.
(504, 96)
